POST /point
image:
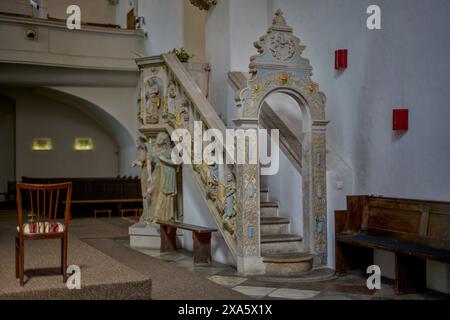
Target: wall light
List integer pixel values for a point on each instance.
(84, 144)
(42, 144)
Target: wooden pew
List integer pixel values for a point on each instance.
(100, 193)
(414, 230)
(200, 235)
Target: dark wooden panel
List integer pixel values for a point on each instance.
(439, 226)
(131, 20)
(355, 209)
(341, 224)
(97, 188)
(394, 220)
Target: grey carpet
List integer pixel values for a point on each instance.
(101, 276)
(88, 228)
(103, 262)
(169, 282)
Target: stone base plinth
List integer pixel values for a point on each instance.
(146, 236)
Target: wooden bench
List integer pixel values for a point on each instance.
(200, 235)
(107, 211)
(414, 230)
(118, 202)
(137, 212)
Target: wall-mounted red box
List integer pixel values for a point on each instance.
(400, 120)
(341, 59)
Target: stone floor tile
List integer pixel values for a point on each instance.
(227, 281)
(293, 294)
(257, 292)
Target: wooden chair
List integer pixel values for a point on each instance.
(40, 204)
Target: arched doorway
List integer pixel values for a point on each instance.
(280, 68)
(288, 186)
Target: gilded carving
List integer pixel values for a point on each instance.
(283, 78)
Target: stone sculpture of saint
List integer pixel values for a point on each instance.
(152, 102)
(141, 161)
(163, 187)
(182, 115)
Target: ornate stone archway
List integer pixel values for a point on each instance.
(280, 67)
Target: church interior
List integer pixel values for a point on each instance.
(224, 150)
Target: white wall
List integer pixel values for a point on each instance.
(232, 27)
(247, 23)
(288, 111)
(120, 106)
(403, 65)
(7, 142)
(40, 117)
(286, 188)
(196, 212)
(164, 24)
(194, 29)
(218, 55)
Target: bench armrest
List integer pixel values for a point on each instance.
(341, 222)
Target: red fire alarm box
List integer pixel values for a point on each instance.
(400, 122)
(341, 59)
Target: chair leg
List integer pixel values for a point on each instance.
(21, 261)
(64, 258)
(17, 257)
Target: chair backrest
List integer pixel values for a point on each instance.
(42, 202)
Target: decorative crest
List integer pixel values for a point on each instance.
(279, 64)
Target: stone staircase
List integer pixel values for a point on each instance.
(281, 250)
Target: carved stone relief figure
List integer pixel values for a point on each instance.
(172, 97)
(222, 194)
(142, 162)
(227, 202)
(172, 90)
(182, 114)
(163, 186)
(152, 101)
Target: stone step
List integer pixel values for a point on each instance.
(288, 264)
(274, 225)
(280, 244)
(264, 194)
(269, 209)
